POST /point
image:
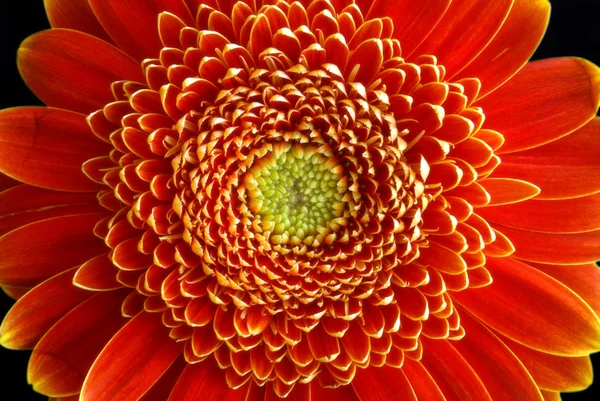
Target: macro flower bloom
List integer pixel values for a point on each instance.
(355, 200)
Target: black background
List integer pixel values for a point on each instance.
(573, 31)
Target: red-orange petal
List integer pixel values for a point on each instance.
(343, 393)
(97, 274)
(25, 204)
(451, 372)
(33, 314)
(583, 279)
(545, 101)
(133, 24)
(552, 372)
(62, 358)
(385, 383)
(562, 249)
(566, 168)
(422, 383)
(74, 14)
(32, 253)
(504, 376)
(45, 147)
(456, 40)
(206, 381)
(73, 70)
(533, 309)
(549, 216)
(150, 355)
(512, 47)
(504, 191)
(413, 21)
(551, 396)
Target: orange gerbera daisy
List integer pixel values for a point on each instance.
(307, 200)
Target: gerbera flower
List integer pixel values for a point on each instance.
(347, 200)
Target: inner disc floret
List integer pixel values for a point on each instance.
(297, 194)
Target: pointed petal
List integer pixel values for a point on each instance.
(151, 355)
(206, 381)
(504, 191)
(97, 274)
(39, 250)
(455, 377)
(6, 182)
(584, 280)
(562, 249)
(413, 21)
(456, 40)
(533, 309)
(62, 358)
(25, 198)
(545, 101)
(342, 393)
(512, 47)
(552, 372)
(385, 383)
(74, 14)
(566, 168)
(162, 388)
(551, 396)
(46, 147)
(32, 315)
(133, 24)
(72, 70)
(504, 376)
(549, 216)
(422, 383)
(25, 204)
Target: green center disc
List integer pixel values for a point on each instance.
(297, 194)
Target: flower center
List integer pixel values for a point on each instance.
(296, 195)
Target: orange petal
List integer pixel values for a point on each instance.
(133, 24)
(25, 198)
(385, 383)
(549, 216)
(39, 250)
(97, 274)
(163, 387)
(545, 101)
(413, 21)
(25, 204)
(32, 315)
(505, 191)
(534, 309)
(422, 383)
(512, 47)
(554, 373)
(456, 40)
(46, 147)
(63, 356)
(204, 381)
(566, 168)
(72, 70)
(365, 62)
(74, 14)
(6, 182)
(583, 279)
(562, 249)
(551, 396)
(15, 292)
(342, 393)
(150, 355)
(503, 374)
(451, 372)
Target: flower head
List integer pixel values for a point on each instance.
(301, 199)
